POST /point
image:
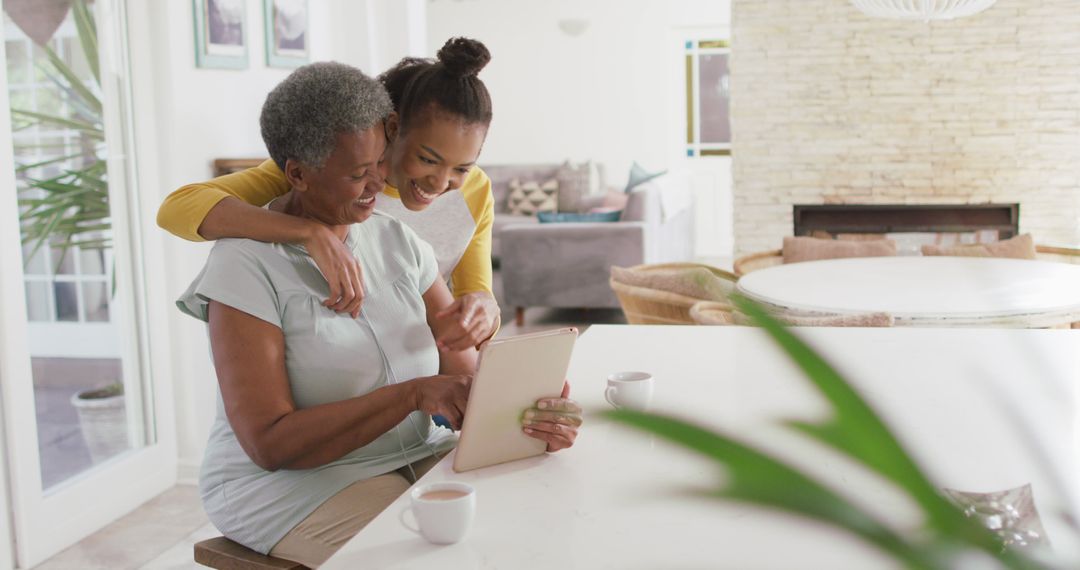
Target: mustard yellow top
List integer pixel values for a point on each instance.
(457, 224)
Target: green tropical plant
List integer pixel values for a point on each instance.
(71, 208)
(855, 430)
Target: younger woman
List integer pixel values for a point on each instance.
(443, 111)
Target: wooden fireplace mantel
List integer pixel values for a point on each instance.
(898, 218)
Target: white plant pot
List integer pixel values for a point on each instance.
(104, 423)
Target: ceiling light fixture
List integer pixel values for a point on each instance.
(925, 10)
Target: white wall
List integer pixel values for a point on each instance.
(605, 95)
(203, 114)
(608, 95)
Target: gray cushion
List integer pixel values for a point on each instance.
(577, 183)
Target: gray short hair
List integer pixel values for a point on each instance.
(303, 115)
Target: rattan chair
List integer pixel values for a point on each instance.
(712, 313)
(760, 260)
(648, 306)
(1057, 253)
(686, 265)
(644, 306)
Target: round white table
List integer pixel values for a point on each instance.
(925, 291)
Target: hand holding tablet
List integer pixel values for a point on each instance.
(554, 420)
(515, 376)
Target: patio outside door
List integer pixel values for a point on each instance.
(78, 408)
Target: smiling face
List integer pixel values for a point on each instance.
(343, 191)
(434, 156)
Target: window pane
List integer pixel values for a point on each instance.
(91, 262)
(35, 265)
(74, 338)
(17, 63)
(96, 298)
(67, 302)
(37, 301)
(63, 261)
(690, 99)
(714, 92)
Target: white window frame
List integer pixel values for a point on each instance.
(695, 149)
(45, 523)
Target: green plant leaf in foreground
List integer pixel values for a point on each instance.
(758, 479)
(857, 431)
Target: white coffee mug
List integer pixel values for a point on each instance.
(443, 511)
(630, 390)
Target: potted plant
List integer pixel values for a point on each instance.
(103, 420)
(64, 200)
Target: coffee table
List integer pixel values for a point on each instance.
(622, 499)
(926, 291)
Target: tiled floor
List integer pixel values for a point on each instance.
(159, 535)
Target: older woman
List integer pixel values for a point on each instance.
(324, 419)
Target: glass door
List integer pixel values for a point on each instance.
(78, 399)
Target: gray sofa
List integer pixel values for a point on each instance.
(567, 265)
(502, 174)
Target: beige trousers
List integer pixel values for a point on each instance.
(337, 520)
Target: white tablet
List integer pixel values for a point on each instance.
(512, 374)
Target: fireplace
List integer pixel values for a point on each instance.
(959, 219)
(911, 226)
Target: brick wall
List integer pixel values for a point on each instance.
(830, 106)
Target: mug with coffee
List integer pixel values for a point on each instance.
(630, 390)
(443, 511)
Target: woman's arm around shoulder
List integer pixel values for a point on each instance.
(194, 211)
(231, 206)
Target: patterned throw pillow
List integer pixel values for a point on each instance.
(529, 198)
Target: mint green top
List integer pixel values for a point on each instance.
(328, 357)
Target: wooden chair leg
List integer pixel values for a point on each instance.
(519, 316)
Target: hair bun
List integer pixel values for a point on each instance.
(464, 57)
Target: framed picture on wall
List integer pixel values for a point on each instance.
(221, 33)
(286, 23)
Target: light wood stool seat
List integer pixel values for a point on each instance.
(224, 554)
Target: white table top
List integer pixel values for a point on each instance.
(926, 291)
(619, 499)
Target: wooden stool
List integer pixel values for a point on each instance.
(224, 554)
